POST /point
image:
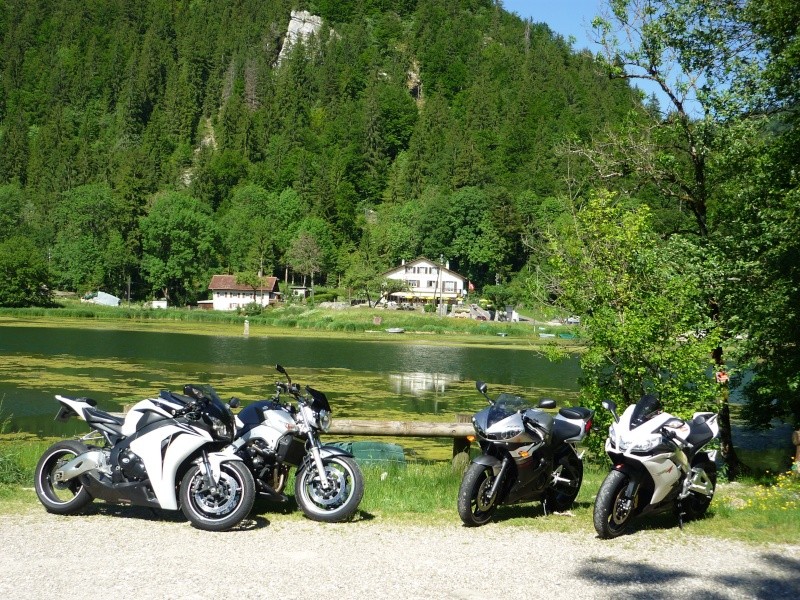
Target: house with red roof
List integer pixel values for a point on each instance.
(226, 294)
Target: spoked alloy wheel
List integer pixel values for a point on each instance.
(336, 502)
(612, 511)
(221, 506)
(66, 497)
(475, 506)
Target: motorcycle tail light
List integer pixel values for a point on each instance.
(588, 427)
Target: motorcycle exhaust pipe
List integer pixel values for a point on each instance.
(79, 465)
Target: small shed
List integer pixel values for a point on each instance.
(101, 298)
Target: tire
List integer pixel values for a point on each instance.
(337, 503)
(475, 507)
(696, 505)
(562, 494)
(611, 515)
(60, 498)
(224, 508)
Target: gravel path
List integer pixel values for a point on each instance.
(125, 553)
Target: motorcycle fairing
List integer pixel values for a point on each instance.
(142, 413)
(162, 451)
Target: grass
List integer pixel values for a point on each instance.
(760, 511)
(291, 320)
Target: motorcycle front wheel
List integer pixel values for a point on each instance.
(612, 511)
(61, 498)
(221, 506)
(475, 505)
(339, 500)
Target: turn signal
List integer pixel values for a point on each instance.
(470, 438)
(523, 454)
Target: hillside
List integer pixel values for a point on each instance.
(157, 142)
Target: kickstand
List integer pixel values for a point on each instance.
(544, 507)
(680, 516)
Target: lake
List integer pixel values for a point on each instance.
(364, 378)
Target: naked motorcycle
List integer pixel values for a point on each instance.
(527, 455)
(658, 465)
(167, 452)
(273, 436)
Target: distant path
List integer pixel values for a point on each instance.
(128, 553)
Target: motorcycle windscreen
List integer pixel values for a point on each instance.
(646, 408)
(319, 400)
(505, 406)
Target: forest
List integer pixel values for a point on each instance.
(148, 144)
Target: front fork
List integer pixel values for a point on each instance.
(317, 456)
(501, 475)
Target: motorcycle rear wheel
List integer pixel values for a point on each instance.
(475, 507)
(223, 507)
(339, 501)
(64, 498)
(696, 505)
(562, 494)
(612, 512)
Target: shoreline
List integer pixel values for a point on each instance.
(258, 329)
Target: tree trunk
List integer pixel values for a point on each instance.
(725, 431)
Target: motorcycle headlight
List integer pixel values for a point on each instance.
(221, 429)
(324, 420)
(646, 444)
(506, 434)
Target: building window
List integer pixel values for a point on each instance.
(449, 286)
(431, 284)
(414, 283)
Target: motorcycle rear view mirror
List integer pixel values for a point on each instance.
(611, 407)
(280, 369)
(481, 387)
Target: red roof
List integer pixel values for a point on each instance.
(228, 282)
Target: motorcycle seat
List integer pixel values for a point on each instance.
(575, 412)
(95, 415)
(699, 432)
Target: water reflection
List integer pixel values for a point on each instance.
(419, 383)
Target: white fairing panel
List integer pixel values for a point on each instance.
(143, 407)
(181, 441)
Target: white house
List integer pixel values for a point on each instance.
(428, 280)
(226, 294)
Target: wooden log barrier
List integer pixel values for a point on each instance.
(457, 431)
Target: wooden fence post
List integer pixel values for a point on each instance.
(461, 446)
(796, 442)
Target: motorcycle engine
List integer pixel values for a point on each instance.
(132, 466)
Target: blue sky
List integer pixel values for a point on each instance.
(567, 17)
(572, 18)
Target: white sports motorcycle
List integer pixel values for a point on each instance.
(658, 466)
(168, 452)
